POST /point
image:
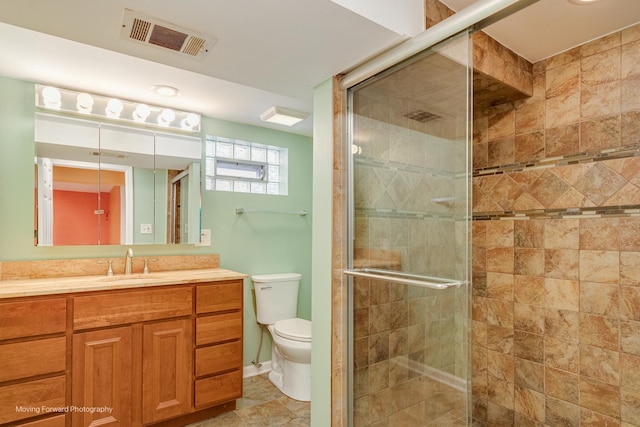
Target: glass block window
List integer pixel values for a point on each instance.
(245, 167)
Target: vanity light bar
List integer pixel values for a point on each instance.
(72, 102)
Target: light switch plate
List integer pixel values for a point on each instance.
(146, 229)
(205, 237)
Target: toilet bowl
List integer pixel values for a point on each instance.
(276, 307)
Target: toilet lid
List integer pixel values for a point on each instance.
(294, 329)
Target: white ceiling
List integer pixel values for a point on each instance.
(267, 52)
(549, 27)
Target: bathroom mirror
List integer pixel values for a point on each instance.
(105, 184)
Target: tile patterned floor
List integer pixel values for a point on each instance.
(262, 405)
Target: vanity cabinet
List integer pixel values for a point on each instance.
(152, 356)
(102, 376)
(166, 374)
(33, 361)
(146, 364)
(218, 339)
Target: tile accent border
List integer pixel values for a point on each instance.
(609, 179)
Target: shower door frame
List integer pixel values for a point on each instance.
(408, 279)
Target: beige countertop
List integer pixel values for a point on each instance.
(65, 285)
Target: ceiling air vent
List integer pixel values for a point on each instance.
(145, 29)
(422, 116)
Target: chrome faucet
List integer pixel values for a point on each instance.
(127, 261)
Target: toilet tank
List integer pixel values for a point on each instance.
(276, 296)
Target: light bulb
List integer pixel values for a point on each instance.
(166, 116)
(192, 120)
(51, 97)
(141, 113)
(84, 103)
(114, 108)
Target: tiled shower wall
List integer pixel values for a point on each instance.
(556, 244)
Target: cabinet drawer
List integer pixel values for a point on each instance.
(218, 358)
(219, 389)
(218, 327)
(20, 401)
(116, 308)
(29, 318)
(31, 358)
(219, 297)
(57, 421)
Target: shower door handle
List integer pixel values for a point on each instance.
(404, 278)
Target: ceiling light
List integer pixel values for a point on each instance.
(51, 97)
(164, 90)
(283, 116)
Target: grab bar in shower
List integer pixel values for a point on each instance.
(404, 278)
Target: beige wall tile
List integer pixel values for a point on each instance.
(563, 80)
(601, 68)
(500, 286)
(529, 262)
(630, 59)
(630, 371)
(561, 413)
(630, 401)
(599, 331)
(564, 109)
(600, 364)
(562, 324)
(600, 266)
(529, 146)
(562, 263)
(562, 140)
(562, 294)
(529, 403)
(630, 234)
(630, 34)
(562, 354)
(600, 397)
(601, 44)
(528, 346)
(599, 133)
(529, 375)
(562, 385)
(630, 268)
(600, 299)
(599, 234)
(630, 302)
(630, 337)
(563, 234)
(529, 318)
(500, 260)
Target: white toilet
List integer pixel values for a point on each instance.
(276, 307)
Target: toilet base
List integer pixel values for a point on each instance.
(291, 378)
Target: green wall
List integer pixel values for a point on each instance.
(249, 243)
(322, 251)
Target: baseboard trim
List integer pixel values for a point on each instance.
(253, 370)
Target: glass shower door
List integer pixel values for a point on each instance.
(410, 224)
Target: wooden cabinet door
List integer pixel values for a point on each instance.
(167, 353)
(102, 378)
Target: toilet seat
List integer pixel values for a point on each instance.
(294, 329)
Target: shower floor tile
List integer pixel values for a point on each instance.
(262, 405)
